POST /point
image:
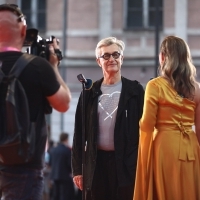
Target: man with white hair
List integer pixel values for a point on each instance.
(114, 107)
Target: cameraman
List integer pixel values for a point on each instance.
(43, 85)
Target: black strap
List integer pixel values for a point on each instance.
(20, 64)
(1, 75)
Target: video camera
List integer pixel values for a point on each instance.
(36, 45)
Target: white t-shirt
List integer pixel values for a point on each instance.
(107, 110)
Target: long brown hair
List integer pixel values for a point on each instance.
(178, 67)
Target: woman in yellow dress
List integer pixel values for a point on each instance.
(168, 165)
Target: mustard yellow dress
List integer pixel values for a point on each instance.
(168, 165)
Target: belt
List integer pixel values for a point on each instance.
(185, 150)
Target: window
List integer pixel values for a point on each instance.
(35, 12)
(142, 14)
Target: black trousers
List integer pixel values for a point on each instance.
(105, 183)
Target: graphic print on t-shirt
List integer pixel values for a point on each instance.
(109, 103)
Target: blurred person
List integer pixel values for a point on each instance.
(42, 83)
(168, 166)
(52, 144)
(60, 164)
(47, 191)
(113, 110)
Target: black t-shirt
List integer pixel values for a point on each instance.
(39, 81)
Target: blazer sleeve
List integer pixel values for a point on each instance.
(77, 141)
(141, 100)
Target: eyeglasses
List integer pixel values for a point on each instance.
(15, 9)
(106, 56)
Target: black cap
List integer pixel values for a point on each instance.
(13, 8)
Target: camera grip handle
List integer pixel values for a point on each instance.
(58, 53)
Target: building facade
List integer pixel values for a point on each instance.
(80, 24)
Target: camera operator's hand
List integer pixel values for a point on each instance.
(54, 59)
(60, 101)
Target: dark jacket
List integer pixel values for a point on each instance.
(60, 163)
(126, 132)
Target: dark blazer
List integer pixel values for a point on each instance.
(60, 163)
(126, 132)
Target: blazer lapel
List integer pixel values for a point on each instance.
(129, 89)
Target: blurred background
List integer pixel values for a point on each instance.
(80, 24)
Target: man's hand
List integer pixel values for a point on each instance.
(61, 99)
(53, 59)
(78, 181)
